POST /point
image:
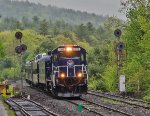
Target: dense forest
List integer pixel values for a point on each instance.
(18, 10)
(42, 34)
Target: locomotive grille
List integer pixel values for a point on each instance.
(71, 81)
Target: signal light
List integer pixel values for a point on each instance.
(117, 32)
(18, 50)
(69, 49)
(18, 35)
(21, 48)
(120, 46)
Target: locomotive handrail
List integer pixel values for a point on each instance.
(83, 68)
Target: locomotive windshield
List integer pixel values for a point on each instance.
(69, 53)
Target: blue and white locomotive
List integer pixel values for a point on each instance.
(63, 71)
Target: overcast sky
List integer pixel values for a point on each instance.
(102, 7)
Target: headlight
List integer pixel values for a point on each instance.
(69, 49)
(62, 75)
(79, 75)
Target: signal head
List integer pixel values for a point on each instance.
(23, 47)
(117, 32)
(18, 50)
(120, 46)
(18, 35)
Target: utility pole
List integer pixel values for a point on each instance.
(20, 50)
(119, 50)
(117, 33)
(118, 62)
(21, 72)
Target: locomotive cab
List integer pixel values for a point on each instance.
(69, 71)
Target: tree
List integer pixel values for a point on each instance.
(55, 31)
(25, 22)
(18, 25)
(137, 36)
(82, 31)
(90, 28)
(1, 50)
(112, 23)
(35, 19)
(6, 63)
(101, 33)
(45, 46)
(43, 27)
(132, 6)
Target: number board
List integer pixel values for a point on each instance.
(61, 49)
(73, 49)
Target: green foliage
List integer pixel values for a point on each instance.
(110, 77)
(93, 83)
(1, 50)
(19, 9)
(81, 31)
(43, 27)
(112, 23)
(137, 36)
(6, 63)
(9, 65)
(45, 46)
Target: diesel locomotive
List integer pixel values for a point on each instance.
(63, 71)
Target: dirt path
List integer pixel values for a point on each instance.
(3, 112)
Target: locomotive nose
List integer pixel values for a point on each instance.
(71, 81)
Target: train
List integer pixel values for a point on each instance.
(62, 71)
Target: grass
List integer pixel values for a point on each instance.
(134, 102)
(110, 101)
(9, 111)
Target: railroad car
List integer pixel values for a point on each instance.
(29, 72)
(63, 71)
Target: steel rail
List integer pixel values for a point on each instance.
(128, 98)
(50, 112)
(100, 114)
(113, 109)
(20, 107)
(116, 99)
(99, 105)
(23, 111)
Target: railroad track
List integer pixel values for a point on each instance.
(25, 107)
(130, 101)
(119, 96)
(98, 109)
